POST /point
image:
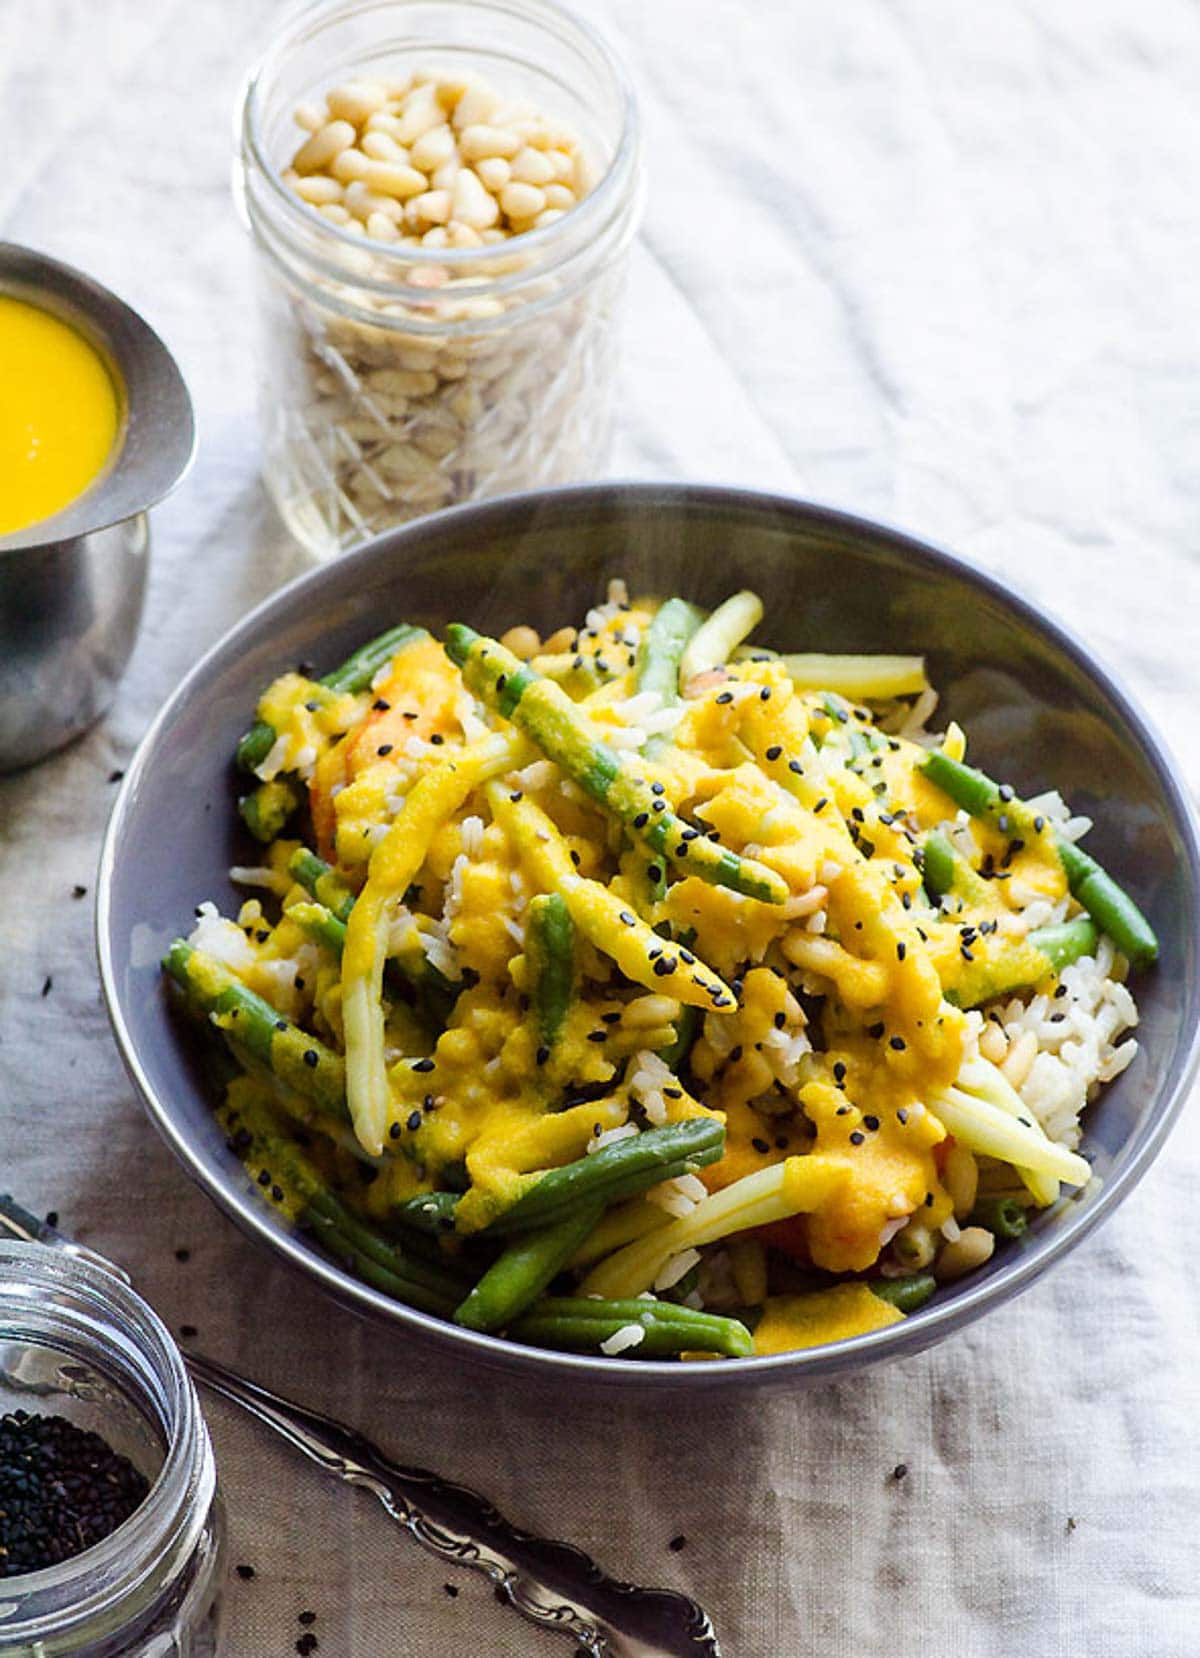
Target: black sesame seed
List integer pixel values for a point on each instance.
(381, 705)
(857, 1137)
(901, 950)
(677, 1543)
(311, 1058)
(839, 1071)
(765, 693)
(575, 858)
(246, 1573)
(821, 805)
(451, 1589)
(436, 738)
(900, 1470)
(653, 873)
(422, 1065)
(515, 796)
(760, 1145)
(725, 696)
(796, 767)
(115, 776)
(1006, 792)
(897, 1043)
(626, 919)
(875, 1030)
(414, 1121)
(542, 1055)
(775, 750)
(78, 892)
(598, 1035)
(187, 1331)
(844, 1110)
(394, 1131)
(871, 1122)
(47, 984)
(902, 1116)
(306, 1618)
(641, 820)
(384, 749)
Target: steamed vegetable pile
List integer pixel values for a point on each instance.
(629, 990)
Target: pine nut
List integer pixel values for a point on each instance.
(1021, 1056)
(522, 201)
(363, 202)
(960, 1177)
(311, 117)
(381, 228)
(356, 101)
(478, 141)
(973, 1246)
(419, 111)
(431, 207)
(477, 104)
(381, 146)
(559, 196)
(551, 216)
(324, 144)
(350, 165)
(385, 122)
(470, 202)
(318, 189)
(530, 166)
(390, 179)
(493, 172)
(433, 148)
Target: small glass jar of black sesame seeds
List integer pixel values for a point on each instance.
(111, 1530)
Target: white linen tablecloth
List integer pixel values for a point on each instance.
(931, 261)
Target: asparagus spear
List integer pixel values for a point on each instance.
(551, 719)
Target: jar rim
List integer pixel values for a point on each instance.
(164, 1512)
(593, 208)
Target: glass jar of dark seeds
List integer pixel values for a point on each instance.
(111, 1531)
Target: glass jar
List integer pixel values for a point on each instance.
(395, 380)
(75, 1341)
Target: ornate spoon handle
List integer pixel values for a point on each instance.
(555, 1586)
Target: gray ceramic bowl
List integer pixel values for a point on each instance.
(1039, 710)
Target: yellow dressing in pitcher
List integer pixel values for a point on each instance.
(58, 414)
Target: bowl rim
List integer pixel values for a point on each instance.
(918, 1331)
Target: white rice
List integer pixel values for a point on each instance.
(259, 875)
(648, 1078)
(678, 1197)
(677, 1267)
(629, 1335)
(1078, 1041)
(221, 938)
(472, 837)
(610, 1137)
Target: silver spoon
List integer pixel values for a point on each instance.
(553, 1585)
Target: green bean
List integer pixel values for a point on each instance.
(438, 993)
(282, 1169)
(687, 1029)
(663, 645)
(266, 810)
(618, 1170)
(1003, 1216)
(298, 1059)
(1066, 942)
(905, 1293)
(937, 864)
(550, 955)
(530, 1263)
(430, 1212)
(547, 716)
(322, 881)
(583, 1324)
(355, 674)
(321, 926)
(1108, 904)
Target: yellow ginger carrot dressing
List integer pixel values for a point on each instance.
(58, 414)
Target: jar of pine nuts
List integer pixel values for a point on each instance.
(442, 194)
